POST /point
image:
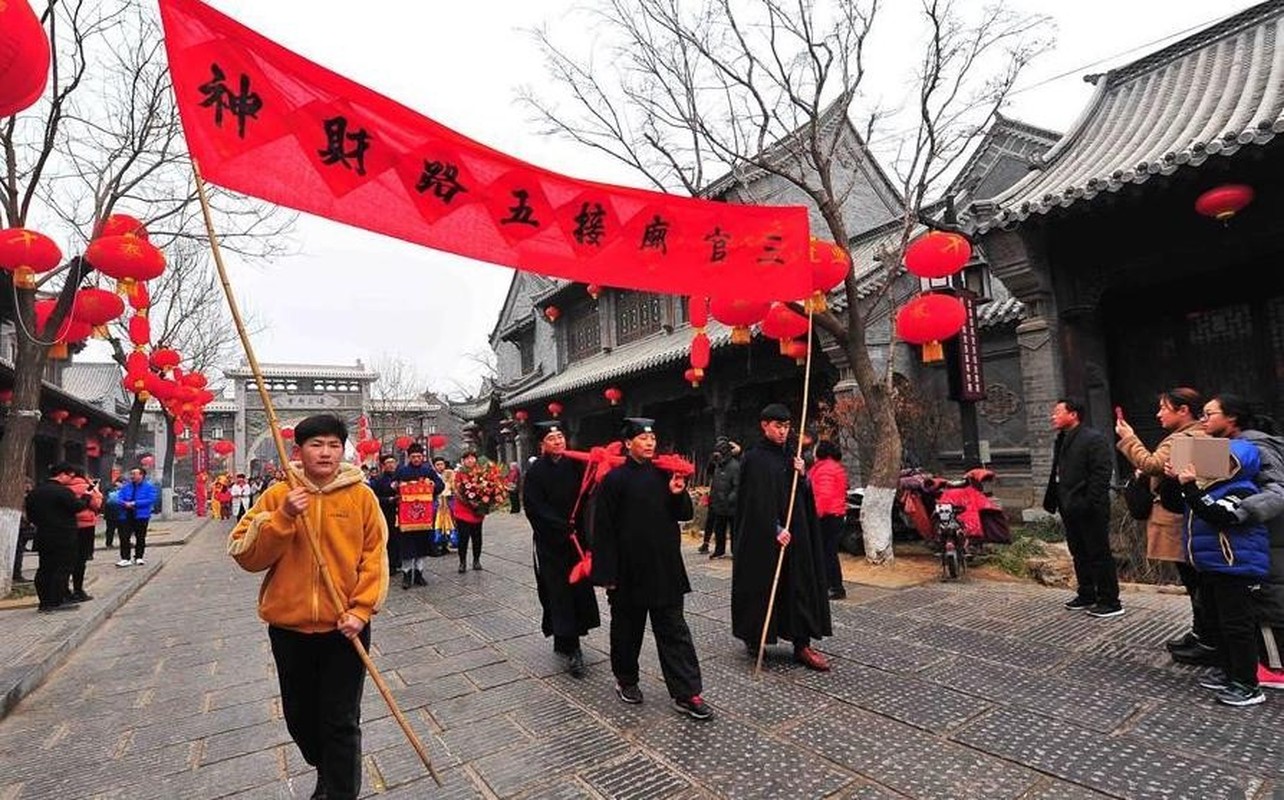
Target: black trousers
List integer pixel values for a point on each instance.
(1088, 537)
(84, 549)
(57, 555)
(109, 536)
(1228, 604)
(24, 535)
(322, 679)
(831, 528)
(673, 642)
(1192, 579)
(469, 531)
(720, 527)
(138, 528)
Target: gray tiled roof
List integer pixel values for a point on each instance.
(653, 351)
(92, 382)
(998, 312)
(357, 372)
(1210, 94)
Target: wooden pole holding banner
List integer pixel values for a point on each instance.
(273, 424)
(793, 494)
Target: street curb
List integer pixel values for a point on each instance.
(28, 682)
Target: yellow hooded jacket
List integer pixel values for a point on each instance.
(346, 519)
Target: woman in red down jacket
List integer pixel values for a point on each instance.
(829, 486)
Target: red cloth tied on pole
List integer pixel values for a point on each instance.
(262, 120)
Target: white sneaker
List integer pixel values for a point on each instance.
(124, 562)
(139, 562)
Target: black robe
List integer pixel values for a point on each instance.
(802, 603)
(636, 537)
(549, 491)
(414, 544)
(388, 497)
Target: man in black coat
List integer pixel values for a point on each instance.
(763, 526)
(637, 556)
(1079, 488)
(51, 507)
(384, 485)
(549, 493)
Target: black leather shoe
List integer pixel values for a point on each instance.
(1197, 655)
(575, 664)
(462, 568)
(406, 580)
(1188, 639)
(81, 597)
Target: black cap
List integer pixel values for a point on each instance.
(415, 447)
(635, 425)
(774, 412)
(546, 427)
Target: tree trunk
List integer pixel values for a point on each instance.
(883, 474)
(129, 449)
(15, 446)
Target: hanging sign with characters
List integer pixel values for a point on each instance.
(262, 120)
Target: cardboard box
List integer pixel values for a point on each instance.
(1210, 455)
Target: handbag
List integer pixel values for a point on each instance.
(1138, 497)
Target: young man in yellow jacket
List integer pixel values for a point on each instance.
(320, 674)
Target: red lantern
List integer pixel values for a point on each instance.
(937, 254)
(121, 225)
(929, 318)
(1224, 202)
(6, 396)
(24, 58)
(521, 415)
(125, 258)
(26, 253)
(593, 290)
(97, 307)
(69, 331)
(783, 323)
(739, 314)
(59, 415)
(287, 433)
(829, 267)
(404, 442)
(698, 311)
(78, 422)
(693, 376)
(613, 394)
(797, 350)
(195, 380)
(223, 447)
(140, 331)
(700, 352)
(165, 359)
(552, 313)
(139, 298)
(436, 441)
(555, 408)
(180, 449)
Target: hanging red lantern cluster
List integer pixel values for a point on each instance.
(928, 319)
(437, 441)
(403, 442)
(521, 415)
(223, 447)
(613, 395)
(181, 449)
(24, 57)
(937, 254)
(368, 448)
(1223, 202)
(555, 408)
(96, 308)
(830, 264)
(739, 314)
(26, 254)
(552, 313)
(164, 359)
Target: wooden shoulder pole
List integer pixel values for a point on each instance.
(274, 425)
(793, 495)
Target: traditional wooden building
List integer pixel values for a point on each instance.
(1126, 289)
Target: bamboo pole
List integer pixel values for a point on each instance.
(793, 495)
(274, 425)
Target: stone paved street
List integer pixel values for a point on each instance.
(978, 690)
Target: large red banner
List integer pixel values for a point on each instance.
(265, 121)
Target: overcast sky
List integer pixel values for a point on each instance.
(352, 295)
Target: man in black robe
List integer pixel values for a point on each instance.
(801, 610)
(384, 485)
(637, 556)
(549, 493)
(414, 546)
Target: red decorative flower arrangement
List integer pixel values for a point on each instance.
(484, 487)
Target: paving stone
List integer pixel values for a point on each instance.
(449, 665)
(907, 699)
(471, 742)
(736, 761)
(919, 764)
(1097, 707)
(990, 647)
(1125, 766)
(637, 776)
(492, 675)
(1233, 735)
(881, 652)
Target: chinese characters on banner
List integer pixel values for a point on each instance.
(963, 357)
(265, 121)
